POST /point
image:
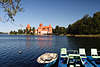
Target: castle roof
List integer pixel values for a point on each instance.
(41, 25)
(28, 25)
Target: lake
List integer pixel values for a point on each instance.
(33, 46)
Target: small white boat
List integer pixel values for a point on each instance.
(48, 59)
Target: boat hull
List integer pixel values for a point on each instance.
(93, 61)
(60, 64)
(50, 64)
(86, 63)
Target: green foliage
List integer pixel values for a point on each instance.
(33, 29)
(24, 31)
(11, 7)
(13, 32)
(59, 30)
(28, 31)
(20, 31)
(86, 25)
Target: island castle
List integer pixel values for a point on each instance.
(41, 29)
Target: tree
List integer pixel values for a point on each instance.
(15, 32)
(62, 30)
(86, 25)
(59, 30)
(24, 30)
(68, 29)
(53, 30)
(11, 32)
(33, 29)
(20, 31)
(11, 7)
(28, 31)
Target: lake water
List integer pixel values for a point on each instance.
(33, 46)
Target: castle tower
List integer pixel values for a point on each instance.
(50, 29)
(41, 25)
(40, 28)
(28, 27)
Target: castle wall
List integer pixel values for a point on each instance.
(44, 30)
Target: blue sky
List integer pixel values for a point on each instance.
(54, 12)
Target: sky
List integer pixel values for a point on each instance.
(54, 12)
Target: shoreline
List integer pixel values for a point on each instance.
(68, 35)
(83, 35)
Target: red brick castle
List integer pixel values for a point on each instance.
(41, 29)
(44, 29)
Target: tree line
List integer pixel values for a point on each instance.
(85, 25)
(24, 31)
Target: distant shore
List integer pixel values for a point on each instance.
(3, 32)
(90, 35)
(69, 35)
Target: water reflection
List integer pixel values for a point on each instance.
(44, 41)
(44, 37)
(77, 42)
(28, 38)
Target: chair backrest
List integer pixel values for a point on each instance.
(82, 51)
(63, 50)
(94, 52)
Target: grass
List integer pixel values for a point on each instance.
(90, 35)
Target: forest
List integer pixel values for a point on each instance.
(86, 25)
